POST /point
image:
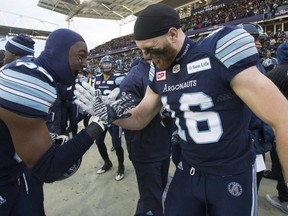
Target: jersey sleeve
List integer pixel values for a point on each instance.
(118, 79)
(133, 84)
(26, 89)
(236, 50)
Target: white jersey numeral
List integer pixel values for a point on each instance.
(193, 118)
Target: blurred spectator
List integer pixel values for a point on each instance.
(224, 13)
(2, 57)
(17, 47)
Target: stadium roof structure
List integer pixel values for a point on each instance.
(103, 9)
(12, 31)
(12, 24)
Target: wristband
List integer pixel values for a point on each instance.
(99, 122)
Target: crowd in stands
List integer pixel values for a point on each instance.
(238, 9)
(272, 41)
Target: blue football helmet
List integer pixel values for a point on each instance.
(107, 64)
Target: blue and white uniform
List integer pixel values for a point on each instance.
(106, 86)
(149, 149)
(28, 90)
(212, 123)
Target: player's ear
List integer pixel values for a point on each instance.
(172, 34)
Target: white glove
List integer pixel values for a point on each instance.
(111, 97)
(87, 97)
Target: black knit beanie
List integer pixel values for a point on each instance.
(155, 20)
(20, 45)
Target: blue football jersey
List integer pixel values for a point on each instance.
(106, 86)
(27, 90)
(212, 120)
(152, 143)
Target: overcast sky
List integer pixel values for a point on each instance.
(94, 31)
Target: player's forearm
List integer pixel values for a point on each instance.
(58, 159)
(130, 123)
(137, 121)
(282, 150)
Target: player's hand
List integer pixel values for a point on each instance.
(175, 148)
(85, 97)
(165, 117)
(58, 139)
(175, 139)
(111, 97)
(91, 102)
(108, 113)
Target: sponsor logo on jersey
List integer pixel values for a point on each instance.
(98, 82)
(160, 75)
(176, 68)
(2, 200)
(110, 82)
(235, 189)
(200, 65)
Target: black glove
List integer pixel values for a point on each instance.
(107, 113)
(175, 148)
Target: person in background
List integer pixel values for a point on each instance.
(17, 47)
(210, 87)
(279, 77)
(2, 55)
(149, 149)
(120, 66)
(72, 113)
(105, 83)
(269, 62)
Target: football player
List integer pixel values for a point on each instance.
(105, 83)
(210, 87)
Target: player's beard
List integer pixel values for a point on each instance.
(166, 58)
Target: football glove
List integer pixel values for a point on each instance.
(58, 140)
(107, 113)
(107, 109)
(86, 96)
(111, 97)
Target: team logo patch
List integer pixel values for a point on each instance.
(235, 189)
(200, 65)
(2, 200)
(98, 82)
(176, 68)
(160, 75)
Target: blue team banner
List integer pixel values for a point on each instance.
(234, 22)
(213, 6)
(282, 10)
